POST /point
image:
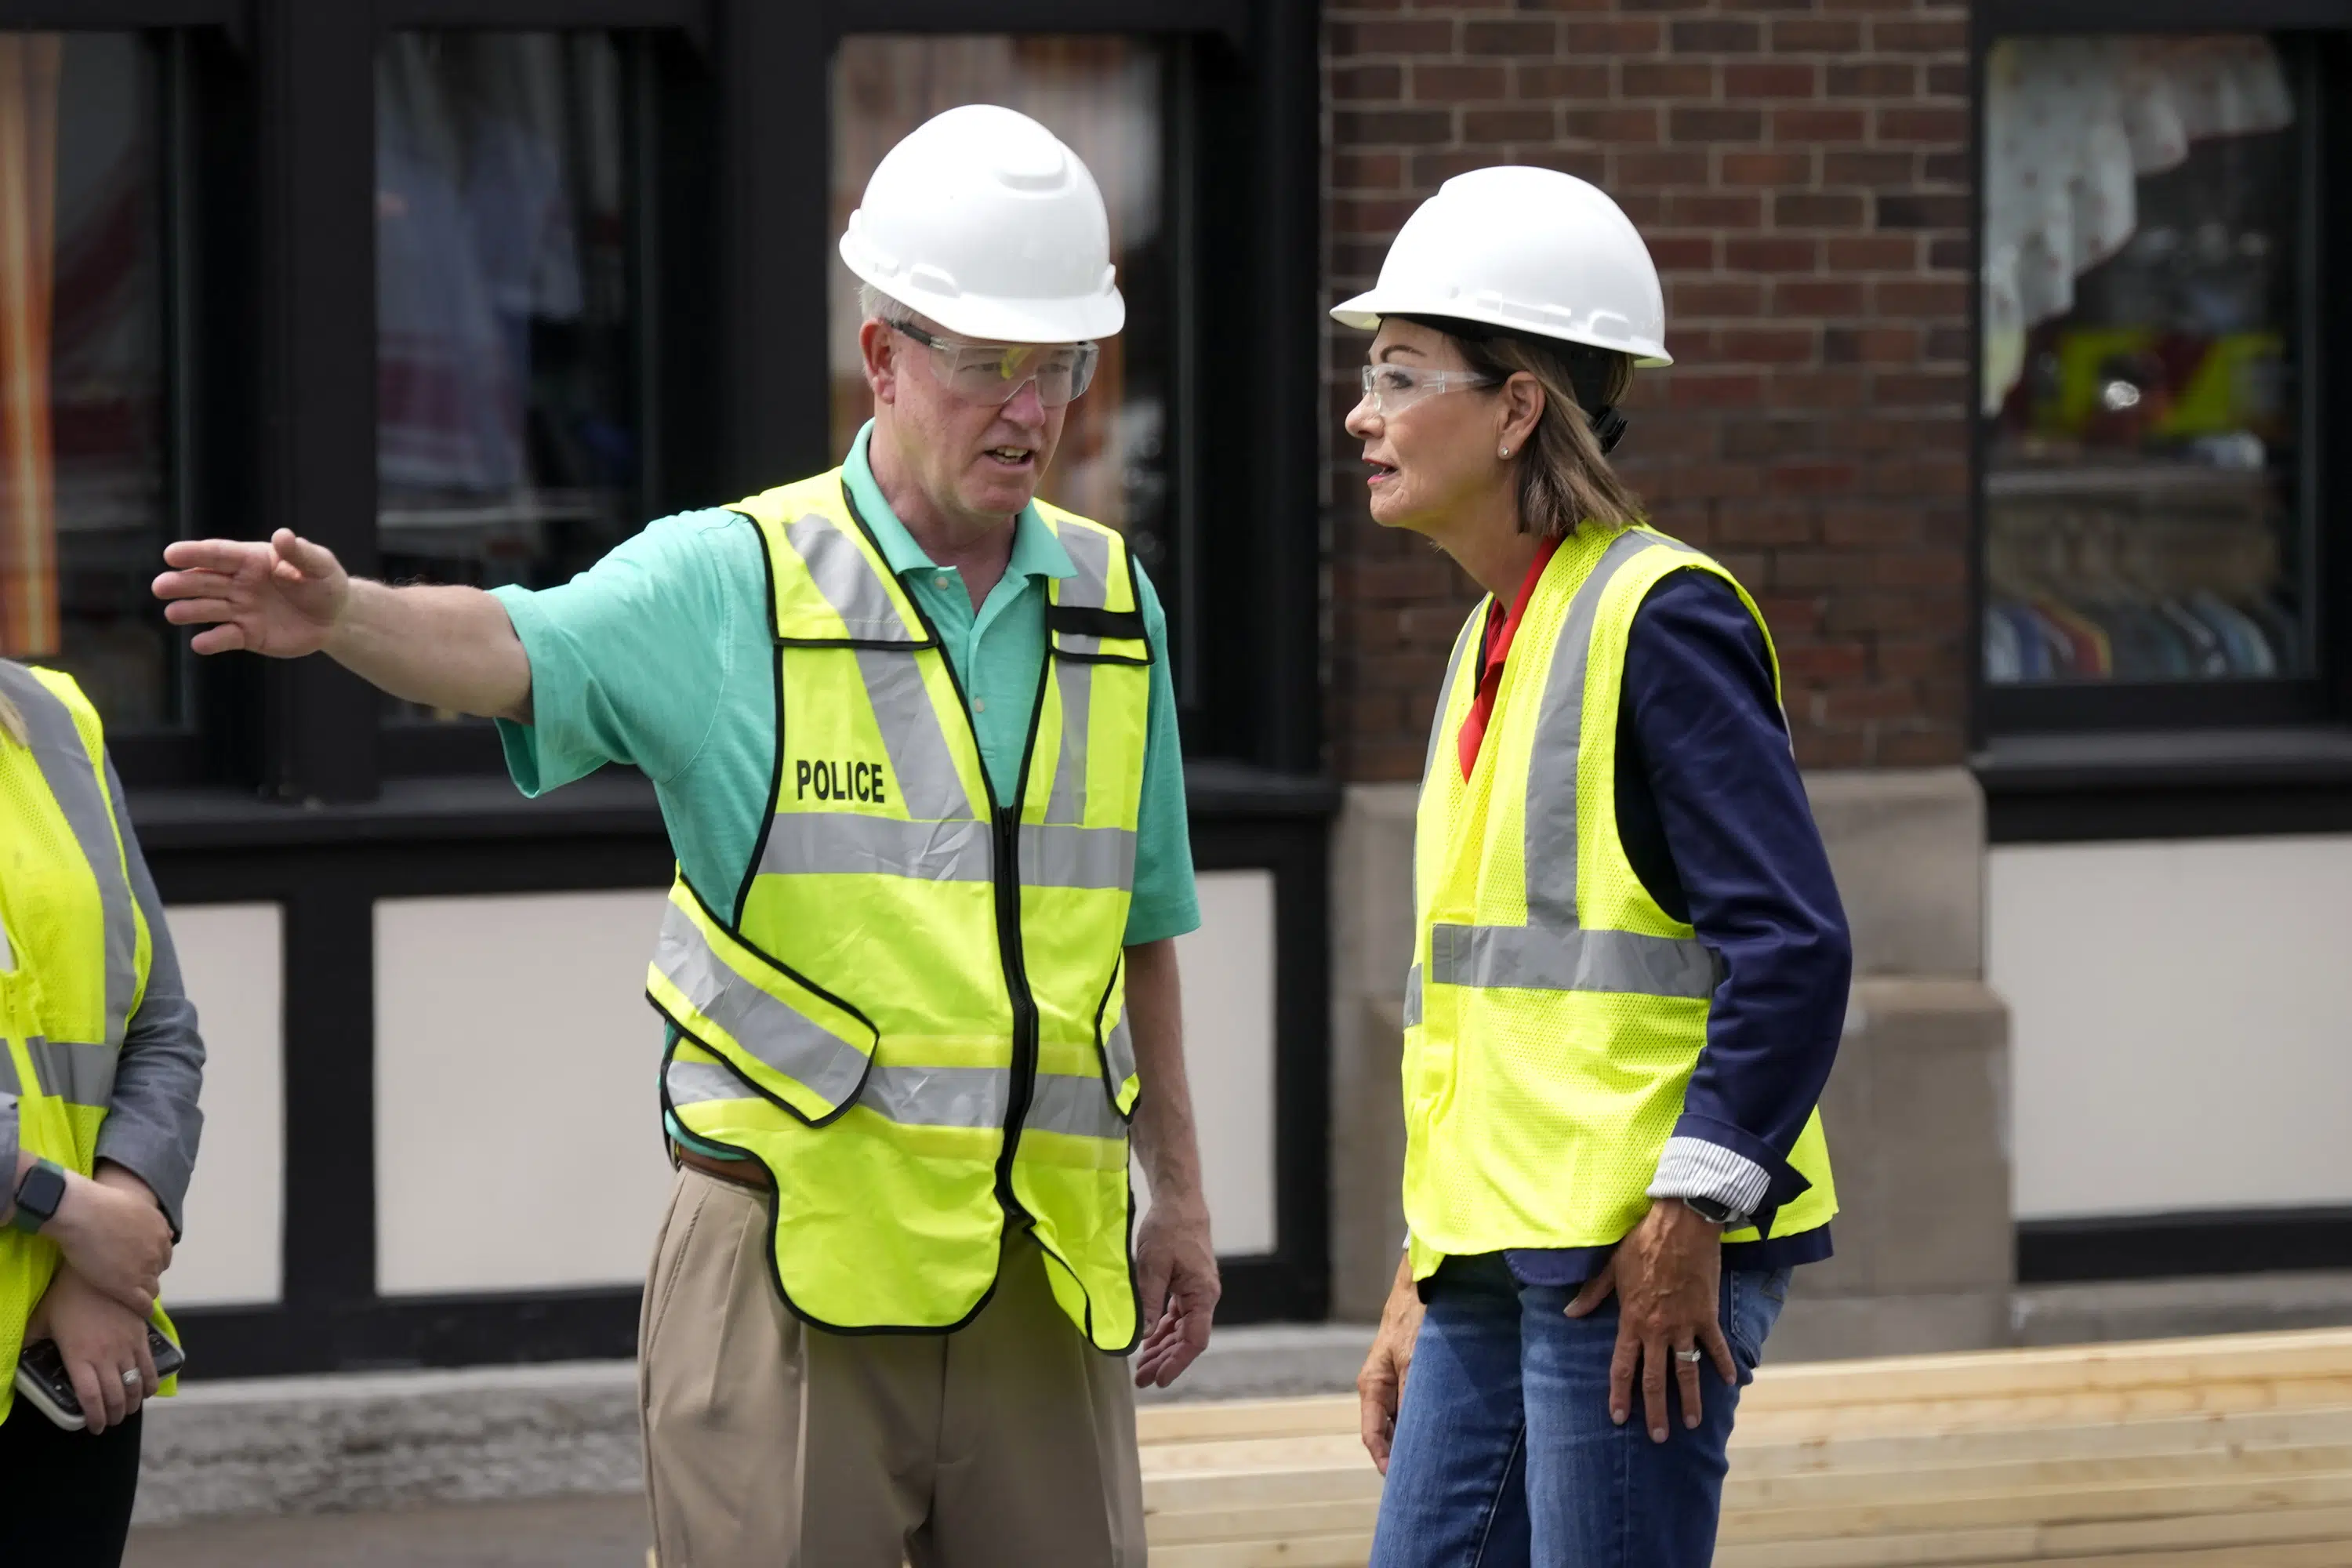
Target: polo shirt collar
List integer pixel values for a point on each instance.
(1036, 552)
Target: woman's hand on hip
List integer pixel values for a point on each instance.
(115, 1238)
(1668, 1276)
(100, 1340)
(1380, 1387)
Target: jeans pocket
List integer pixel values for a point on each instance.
(1756, 1297)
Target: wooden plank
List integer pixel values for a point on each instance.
(1257, 1453)
(2165, 1435)
(1272, 1521)
(1212, 1420)
(1257, 1488)
(2031, 1477)
(2042, 1506)
(2236, 1540)
(1350, 1551)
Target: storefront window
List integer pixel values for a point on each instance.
(84, 491)
(508, 446)
(1105, 97)
(2145, 516)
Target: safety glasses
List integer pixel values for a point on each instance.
(992, 373)
(1393, 388)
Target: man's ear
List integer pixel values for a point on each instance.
(880, 348)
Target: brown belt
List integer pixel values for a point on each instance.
(735, 1173)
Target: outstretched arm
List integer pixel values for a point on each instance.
(442, 648)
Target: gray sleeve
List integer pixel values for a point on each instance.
(151, 1121)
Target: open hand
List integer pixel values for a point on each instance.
(1667, 1274)
(1176, 1283)
(115, 1238)
(281, 598)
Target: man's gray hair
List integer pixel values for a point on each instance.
(873, 305)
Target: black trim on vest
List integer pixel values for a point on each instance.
(775, 608)
(776, 778)
(1110, 1089)
(1092, 621)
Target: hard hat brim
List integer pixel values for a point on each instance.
(1364, 311)
(1091, 316)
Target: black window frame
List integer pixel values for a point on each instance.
(2188, 759)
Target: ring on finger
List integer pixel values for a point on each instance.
(133, 1378)
(1692, 1355)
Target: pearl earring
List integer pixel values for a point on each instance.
(1503, 452)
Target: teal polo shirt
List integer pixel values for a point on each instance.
(663, 655)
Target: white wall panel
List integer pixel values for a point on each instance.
(233, 956)
(1228, 974)
(2181, 1034)
(517, 1130)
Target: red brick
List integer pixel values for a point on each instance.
(1771, 438)
(1431, 170)
(1509, 125)
(1873, 78)
(1714, 209)
(1763, 523)
(1354, 84)
(1624, 123)
(1448, 84)
(1663, 4)
(1910, 36)
(1932, 126)
(1682, 252)
(1509, 38)
(1818, 390)
(1949, 81)
(1818, 477)
(1948, 253)
(1911, 210)
(1552, 79)
(1665, 79)
(1816, 297)
(1618, 36)
(1927, 389)
(1717, 389)
(1778, 168)
(1771, 253)
(1814, 662)
(1948, 344)
(1393, 125)
(1767, 345)
(1687, 125)
(1800, 209)
(1584, 162)
(1415, 37)
(1843, 166)
(1661, 166)
(1873, 527)
(1885, 344)
(1946, 168)
(1704, 297)
(1777, 78)
(1715, 36)
(1801, 35)
(1378, 215)
(1872, 252)
(1800, 125)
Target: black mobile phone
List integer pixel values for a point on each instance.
(41, 1376)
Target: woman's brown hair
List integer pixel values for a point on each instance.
(1565, 479)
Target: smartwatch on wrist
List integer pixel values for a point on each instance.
(1714, 1213)
(38, 1196)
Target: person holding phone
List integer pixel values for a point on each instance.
(100, 1068)
(1630, 963)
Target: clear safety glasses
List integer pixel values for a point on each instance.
(1393, 388)
(992, 374)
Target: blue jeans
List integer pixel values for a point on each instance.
(1505, 1455)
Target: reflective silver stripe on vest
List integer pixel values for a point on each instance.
(848, 581)
(700, 1083)
(849, 843)
(65, 767)
(922, 765)
(777, 1033)
(1073, 1107)
(1413, 994)
(1549, 854)
(1537, 958)
(1074, 682)
(1056, 855)
(1090, 590)
(1119, 1051)
(75, 1071)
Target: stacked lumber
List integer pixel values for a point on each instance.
(2233, 1452)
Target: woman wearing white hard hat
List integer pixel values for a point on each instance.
(1630, 964)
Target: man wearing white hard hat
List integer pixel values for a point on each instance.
(1630, 965)
(915, 740)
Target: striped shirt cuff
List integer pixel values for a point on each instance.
(1694, 1168)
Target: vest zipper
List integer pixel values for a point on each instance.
(1007, 827)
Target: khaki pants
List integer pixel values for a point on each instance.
(1008, 1443)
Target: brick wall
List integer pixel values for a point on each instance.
(1799, 171)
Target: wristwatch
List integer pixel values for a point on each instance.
(1714, 1213)
(38, 1196)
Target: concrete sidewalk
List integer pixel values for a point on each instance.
(554, 1532)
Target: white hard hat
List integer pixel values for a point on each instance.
(981, 220)
(1531, 250)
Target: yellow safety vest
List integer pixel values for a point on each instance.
(1554, 1012)
(912, 1010)
(80, 947)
